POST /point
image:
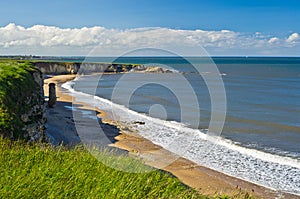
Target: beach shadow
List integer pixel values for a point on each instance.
(109, 130)
(62, 129)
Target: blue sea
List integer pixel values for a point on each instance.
(260, 141)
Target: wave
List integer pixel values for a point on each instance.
(266, 169)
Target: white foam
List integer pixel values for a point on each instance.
(260, 154)
(269, 170)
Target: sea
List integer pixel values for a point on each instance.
(260, 136)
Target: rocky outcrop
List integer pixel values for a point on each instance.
(151, 69)
(52, 95)
(34, 118)
(86, 68)
(22, 109)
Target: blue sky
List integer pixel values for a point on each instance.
(237, 15)
(272, 18)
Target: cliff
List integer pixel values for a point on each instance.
(22, 110)
(59, 68)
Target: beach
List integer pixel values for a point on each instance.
(61, 128)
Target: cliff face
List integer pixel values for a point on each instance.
(22, 109)
(56, 68)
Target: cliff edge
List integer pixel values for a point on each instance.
(22, 109)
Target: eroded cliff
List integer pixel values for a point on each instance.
(59, 68)
(22, 109)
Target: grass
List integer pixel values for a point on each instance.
(16, 85)
(32, 171)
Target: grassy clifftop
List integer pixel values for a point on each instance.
(31, 171)
(17, 86)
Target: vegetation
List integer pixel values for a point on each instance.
(32, 171)
(16, 84)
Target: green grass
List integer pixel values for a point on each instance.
(31, 171)
(16, 84)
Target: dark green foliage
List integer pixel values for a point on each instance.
(16, 85)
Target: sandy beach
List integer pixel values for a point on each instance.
(61, 129)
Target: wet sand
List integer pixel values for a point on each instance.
(61, 128)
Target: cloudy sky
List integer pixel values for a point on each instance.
(222, 27)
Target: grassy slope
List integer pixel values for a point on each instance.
(30, 171)
(16, 84)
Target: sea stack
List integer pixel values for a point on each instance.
(52, 95)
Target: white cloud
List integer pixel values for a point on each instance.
(51, 40)
(293, 38)
(273, 40)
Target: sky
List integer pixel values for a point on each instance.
(222, 27)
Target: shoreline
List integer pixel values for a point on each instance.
(205, 180)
